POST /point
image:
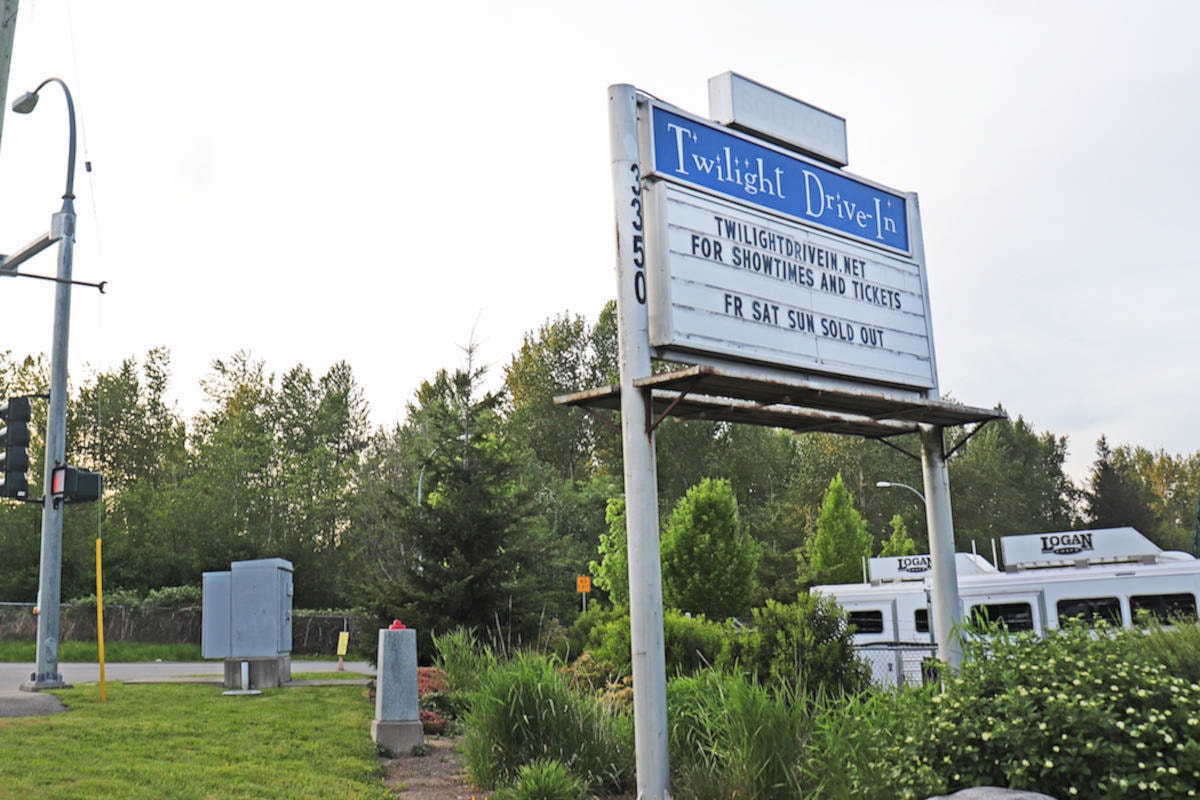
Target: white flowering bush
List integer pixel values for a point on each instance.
(1075, 713)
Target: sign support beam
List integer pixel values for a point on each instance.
(947, 613)
(641, 469)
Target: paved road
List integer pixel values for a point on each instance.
(14, 703)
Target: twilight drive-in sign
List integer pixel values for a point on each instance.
(757, 254)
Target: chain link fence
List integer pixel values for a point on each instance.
(313, 632)
(896, 664)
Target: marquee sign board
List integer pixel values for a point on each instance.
(759, 255)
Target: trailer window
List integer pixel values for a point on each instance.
(1091, 610)
(1013, 616)
(1165, 607)
(921, 618)
(867, 621)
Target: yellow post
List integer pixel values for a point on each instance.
(343, 644)
(100, 616)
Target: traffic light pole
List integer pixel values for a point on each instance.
(50, 587)
(62, 227)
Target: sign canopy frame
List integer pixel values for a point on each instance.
(746, 396)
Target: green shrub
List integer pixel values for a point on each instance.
(524, 710)
(692, 643)
(175, 597)
(806, 643)
(603, 632)
(864, 746)
(544, 779)
(1075, 713)
(112, 598)
(731, 736)
(689, 643)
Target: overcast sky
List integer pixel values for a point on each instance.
(380, 181)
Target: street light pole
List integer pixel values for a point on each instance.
(889, 484)
(62, 227)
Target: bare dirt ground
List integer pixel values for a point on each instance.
(437, 775)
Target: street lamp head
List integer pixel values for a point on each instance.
(883, 484)
(28, 101)
(25, 103)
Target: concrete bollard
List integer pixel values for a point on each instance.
(397, 725)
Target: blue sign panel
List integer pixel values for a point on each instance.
(715, 159)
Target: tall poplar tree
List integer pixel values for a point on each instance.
(841, 539)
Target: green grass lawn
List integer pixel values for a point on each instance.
(188, 741)
(17, 652)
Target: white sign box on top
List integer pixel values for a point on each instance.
(747, 105)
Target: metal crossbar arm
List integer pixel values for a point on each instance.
(9, 264)
(99, 285)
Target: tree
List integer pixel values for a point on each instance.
(862, 463)
(122, 425)
(222, 509)
(900, 543)
(708, 562)
(464, 555)
(612, 570)
(320, 434)
(556, 360)
(841, 540)
(1008, 479)
(1115, 498)
(1173, 483)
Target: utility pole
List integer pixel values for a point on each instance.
(8, 31)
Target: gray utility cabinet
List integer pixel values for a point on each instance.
(248, 610)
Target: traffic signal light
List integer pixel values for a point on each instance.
(74, 485)
(14, 448)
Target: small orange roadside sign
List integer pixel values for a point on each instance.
(583, 584)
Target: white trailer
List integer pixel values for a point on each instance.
(1114, 574)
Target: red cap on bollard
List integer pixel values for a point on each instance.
(397, 625)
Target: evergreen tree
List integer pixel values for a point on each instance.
(556, 360)
(1115, 498)
(463, 554)
(841, 540)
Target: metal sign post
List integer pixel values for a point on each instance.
(641, 470)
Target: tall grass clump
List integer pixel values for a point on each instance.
(731, 736)
(544, 779)
(463, 660)
(525, 710)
